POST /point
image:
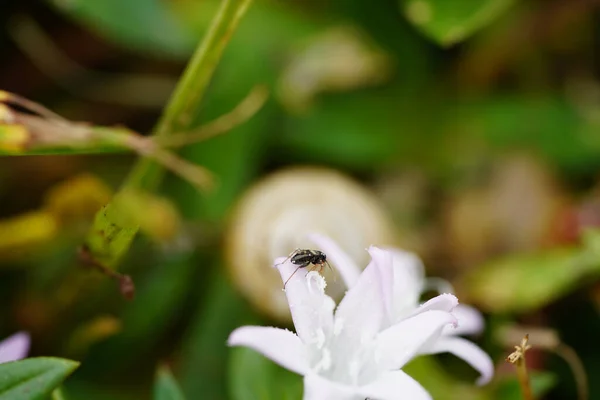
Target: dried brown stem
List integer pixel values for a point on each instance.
(36, 108)
(517, 358)
(126, 285)
(571, 357)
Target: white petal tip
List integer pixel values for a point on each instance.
(278, 261)
(234, 338)
(483, 380)
(15, 347)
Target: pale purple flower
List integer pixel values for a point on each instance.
(404, 282)
(14, 347)
(354, 351)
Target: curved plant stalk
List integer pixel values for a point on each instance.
(570, 356)
(23, 132)
(517, 358)
(41, 131)
(241, 113)
(177, 117)
(546, 339)
(190, 90)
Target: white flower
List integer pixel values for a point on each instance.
(14, 347)
(352, 353)
(403, 279)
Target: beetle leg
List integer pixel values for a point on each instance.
(292, 254)
(288, 279)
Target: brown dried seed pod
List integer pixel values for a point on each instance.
(274, 217)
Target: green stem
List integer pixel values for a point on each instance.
(190, 90)
(523, 377)
(111, 236)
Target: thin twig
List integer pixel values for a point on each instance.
(571, 357)
(240, 114)
(33, 107)
(126, 285)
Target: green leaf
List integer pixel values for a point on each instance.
(449, 22)
(527, 282)
(33, 378)
(144, 25)
(111, 237)
(166, 387)
(254, 377)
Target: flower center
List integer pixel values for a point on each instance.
(343, 356)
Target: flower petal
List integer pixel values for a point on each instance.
(14, 347)
(311, 308)
(395, 385)
(361, 310)
(406, 278)
(280, 345)
(345, 265)
(384, 263)
(318, 388)
(399, 343)
(469, 352)
(444, 302)
(470, 321)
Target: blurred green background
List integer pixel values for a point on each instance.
(474, 122)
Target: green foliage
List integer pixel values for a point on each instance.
(440, 384)
(205, 343)
(166, 387)
(111, 237)
(541, 384)
(33, 378)
(253, 377)
(160, 296)
(144, 25)
(526, 282)
(177, 117)
(357, 142)
(449, 22)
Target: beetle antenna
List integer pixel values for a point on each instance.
(332, 271)
(288, 279)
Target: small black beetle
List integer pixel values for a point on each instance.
(303, 258)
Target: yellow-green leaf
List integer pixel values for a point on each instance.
(449, 22)
(523, 283)
(166, 387)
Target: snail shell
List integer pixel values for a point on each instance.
(274, 218)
